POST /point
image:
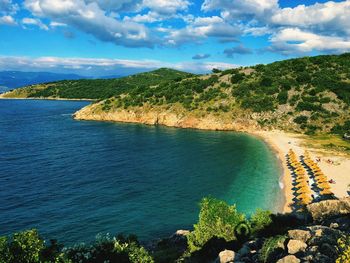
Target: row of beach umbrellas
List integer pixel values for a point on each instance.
(320, 178)
(303, 192)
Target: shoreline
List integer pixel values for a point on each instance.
(279, 142)
(39, 98)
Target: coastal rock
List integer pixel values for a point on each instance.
(295, 246)
(226, 256)
(302, 235)
(167, 117)
(329, 208)
(289, 259)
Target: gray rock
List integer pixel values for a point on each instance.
(226, 256)
(295, 246)
(334, 225)
(289, 259)
(303, 235)
(329, 208)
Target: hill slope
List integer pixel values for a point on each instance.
(310, 95)
(97, 88)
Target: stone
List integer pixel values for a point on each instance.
(182, 232)
(295, 246)
(226, 256)
(329, 208)
(334, 225)
(289, 259)
(303, 235)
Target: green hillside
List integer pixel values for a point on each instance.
(309, 95)
(98, 88)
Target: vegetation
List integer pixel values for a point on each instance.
(309, 95)
(271, 246)
(29, 247)
(344, 250)
(216, 218)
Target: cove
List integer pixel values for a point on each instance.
(74, 179)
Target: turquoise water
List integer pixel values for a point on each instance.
(74, 179)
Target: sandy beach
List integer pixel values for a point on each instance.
(335, 166)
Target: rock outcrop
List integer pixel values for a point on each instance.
(170, 117)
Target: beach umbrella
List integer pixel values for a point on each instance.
(326, 192)
(303, 196)
(304, 190)
(302, 184)
(306, 201)
(301, 179)
(324, 185)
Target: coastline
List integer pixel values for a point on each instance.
(279, 141)
(40, 98)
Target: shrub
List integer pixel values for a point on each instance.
(344, 250)
(270, 247)
(216, 219)
(301, 119)
(22, 247)
(282, 97)
(260, 220)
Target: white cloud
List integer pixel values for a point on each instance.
(166, 6)
(233, 9)
(90, 18)
(201, 28)
(294, 40)
(325, 17)
(57, 24)
(34, 21)
(8, 7)
(7, 20)
(101, 66)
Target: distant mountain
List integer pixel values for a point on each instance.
(99, 88)
(16, 79)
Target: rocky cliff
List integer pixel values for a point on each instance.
(172, 117)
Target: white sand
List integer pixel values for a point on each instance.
(282, 142)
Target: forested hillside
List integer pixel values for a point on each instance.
(310, 94)
(99, 88)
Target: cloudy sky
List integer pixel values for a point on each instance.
(104, 37)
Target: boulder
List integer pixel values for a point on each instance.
(294, 246)
(329, 208)
(302, 235)
(289, 259)
(226, 256)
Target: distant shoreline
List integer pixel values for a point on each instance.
(39, 98)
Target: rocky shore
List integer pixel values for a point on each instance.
(310, 236)
(170, 118)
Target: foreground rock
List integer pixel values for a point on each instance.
(226, 256)
(314, 241)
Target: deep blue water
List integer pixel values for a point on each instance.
(74, 179)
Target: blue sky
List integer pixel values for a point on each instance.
(105, 37)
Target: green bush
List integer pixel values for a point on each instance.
(271, 246)
(29, 247)
(216, 219)
(301, 119)
(260, 220)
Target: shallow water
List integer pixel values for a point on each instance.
(74, 179)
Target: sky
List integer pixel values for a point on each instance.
(120, 37)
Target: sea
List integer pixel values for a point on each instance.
(73, 180)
